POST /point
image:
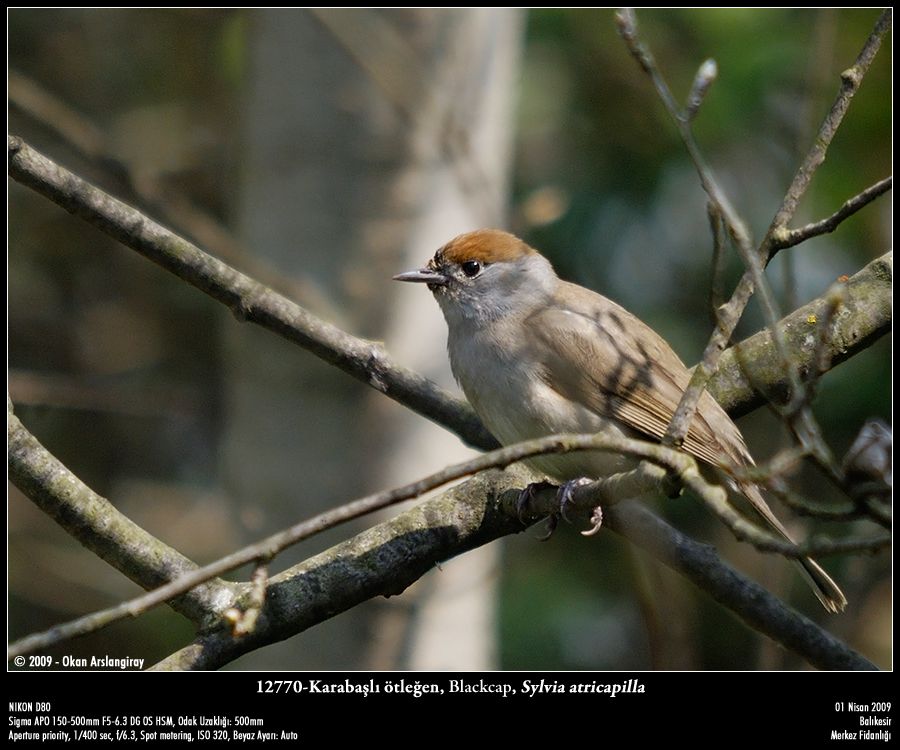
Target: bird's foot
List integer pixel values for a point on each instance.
(565, 497)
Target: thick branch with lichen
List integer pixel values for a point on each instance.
(751, 372)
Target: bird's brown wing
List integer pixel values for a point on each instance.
(596, 353)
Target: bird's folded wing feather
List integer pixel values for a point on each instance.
(596, 353)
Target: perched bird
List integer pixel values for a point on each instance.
(538, 356)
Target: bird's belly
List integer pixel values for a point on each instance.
(524, 407)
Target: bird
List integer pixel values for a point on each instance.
(536, 356)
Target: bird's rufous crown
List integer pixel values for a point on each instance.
(486, 246)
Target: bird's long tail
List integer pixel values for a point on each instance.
(822, 584)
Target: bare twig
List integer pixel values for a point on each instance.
(248, 300)
(717, 277)
(728, 315)
(797, 411)
(243, 619)
(850, 83)
(804, 507)
(792, 237)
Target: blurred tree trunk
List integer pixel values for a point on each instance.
(371, 138)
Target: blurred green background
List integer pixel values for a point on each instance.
(120, 369)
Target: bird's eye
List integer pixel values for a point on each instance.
(471, 268)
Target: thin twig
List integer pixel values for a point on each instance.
(728, 315)
(793, 237)
(797, 411)
(717, 277)
(673, 460)
(802, 506)
(850, 83)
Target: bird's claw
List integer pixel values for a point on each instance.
(564, 495)
(523, 508)
(552, 523)
(525, 498)
(596, 522)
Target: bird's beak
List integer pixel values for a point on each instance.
(424, 276)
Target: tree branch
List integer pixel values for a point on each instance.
(728, 315)
(260, 305)
(851, 79)
(100, 527)
(720, 209)
(793, 237)
(248, 299)
(752, 603)
(416, 552)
